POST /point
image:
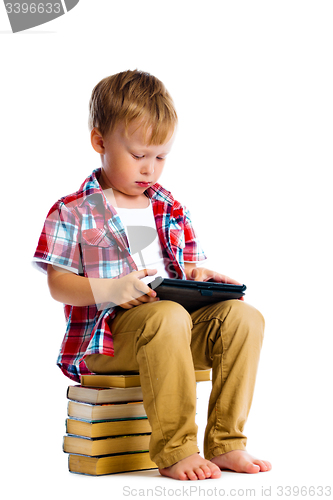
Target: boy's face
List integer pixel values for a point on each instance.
(129, 165)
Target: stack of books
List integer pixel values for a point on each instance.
(107, 429)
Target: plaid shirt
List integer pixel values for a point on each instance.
(84, 234)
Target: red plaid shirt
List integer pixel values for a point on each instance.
(84, 234)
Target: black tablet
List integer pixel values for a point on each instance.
(195, 294)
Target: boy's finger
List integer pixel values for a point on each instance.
(232, 282)
(143, 273)
(144, 299)
(225, 279)
(144, 289)
(196, 274)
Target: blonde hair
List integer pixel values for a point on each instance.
(133, 96)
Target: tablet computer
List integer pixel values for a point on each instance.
(195, 294)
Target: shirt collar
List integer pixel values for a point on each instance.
(92, 192)
(157, 192)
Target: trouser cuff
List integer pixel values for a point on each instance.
(163, 460)
(237, 444)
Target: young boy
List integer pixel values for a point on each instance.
(115, 322)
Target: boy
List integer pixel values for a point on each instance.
(115, 322)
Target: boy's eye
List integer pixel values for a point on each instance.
(139, 157)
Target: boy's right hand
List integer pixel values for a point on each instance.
(128, 292)
(131, 291)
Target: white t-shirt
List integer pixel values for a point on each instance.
(145, 246)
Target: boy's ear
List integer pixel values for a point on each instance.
(97, 141)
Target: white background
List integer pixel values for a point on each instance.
(252, 82)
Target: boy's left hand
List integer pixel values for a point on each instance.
(203, 274)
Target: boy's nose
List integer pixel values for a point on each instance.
(148, 167)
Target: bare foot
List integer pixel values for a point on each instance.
(241, 461)
(193, 467)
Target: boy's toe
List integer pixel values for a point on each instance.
(251, 468)
(200, 473)
(191, 475)
(263, 464)
(206, 470)
(216, 473)
(182, 476)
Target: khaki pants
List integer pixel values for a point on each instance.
(164, 343)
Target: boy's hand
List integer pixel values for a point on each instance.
(131, 291)
(203, 274)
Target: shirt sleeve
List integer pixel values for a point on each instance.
(58, 243)
(193, 251)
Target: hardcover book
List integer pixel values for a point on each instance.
(110, 464)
